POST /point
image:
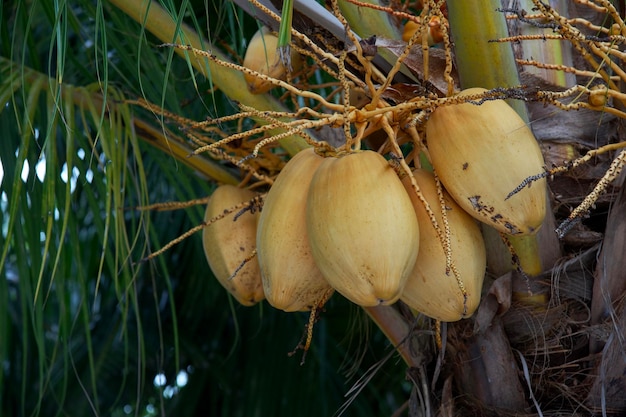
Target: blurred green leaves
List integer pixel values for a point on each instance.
(84, 327)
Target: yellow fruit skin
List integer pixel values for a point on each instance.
(262, 56)
(291, 280)
(228, 243)
(482, 153)
(429, 290)
(362, 227)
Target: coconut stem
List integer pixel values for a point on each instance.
(396, 329)
(367, 21)
(481, 63)
(284, 34)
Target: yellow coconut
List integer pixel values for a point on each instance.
(362, 227)
(262, 56)
(228, 243)
(429, 289)
(484, 152)
(291, 279)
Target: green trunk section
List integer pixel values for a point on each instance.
(481, 63)
(367, 22)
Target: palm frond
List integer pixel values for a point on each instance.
(84, 327)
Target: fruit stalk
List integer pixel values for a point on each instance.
(481, 63)
(284, 33)
(396, 328)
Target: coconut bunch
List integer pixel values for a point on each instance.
(339, 221)
(353, 222)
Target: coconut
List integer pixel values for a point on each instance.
(431, 289)
(484, 152)
(291, 279)
(262, 56)
(362, 227)
(228, 244)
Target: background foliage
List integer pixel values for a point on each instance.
(87, 329)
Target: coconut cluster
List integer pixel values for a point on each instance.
(351, 222)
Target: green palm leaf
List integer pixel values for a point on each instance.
(84, 327)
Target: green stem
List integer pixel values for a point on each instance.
(366, 22)
(554, 52)
(481, 63)
(284, 33)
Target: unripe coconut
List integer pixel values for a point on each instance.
(262, 56)
(429, 289)
(484, 152)
(227, 244)
(291, 279)
(362, 227)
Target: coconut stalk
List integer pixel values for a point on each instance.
(367, 22)
(161, 24)
(557, 53)
(163, 140)
(396, 328)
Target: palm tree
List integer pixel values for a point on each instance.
(96, 120)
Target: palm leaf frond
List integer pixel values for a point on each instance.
(85, 328)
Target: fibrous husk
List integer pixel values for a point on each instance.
(608, 306)
(481, 154)
(228, 243)
(291, 279)
(362, 227)
(431, 289)
(485, 367)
